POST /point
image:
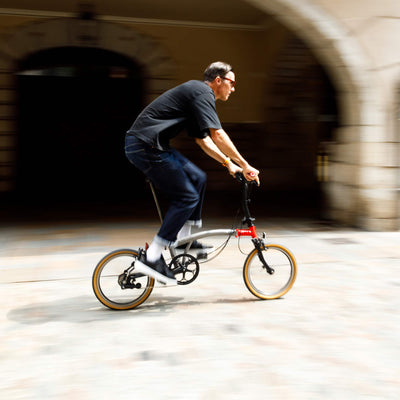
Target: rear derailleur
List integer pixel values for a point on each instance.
(127, 281)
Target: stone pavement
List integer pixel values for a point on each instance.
(335, 335)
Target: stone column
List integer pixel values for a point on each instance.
(7, 128)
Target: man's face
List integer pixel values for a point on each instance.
(225, 86)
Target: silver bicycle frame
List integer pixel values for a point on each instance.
(188, 240)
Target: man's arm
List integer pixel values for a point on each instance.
(220, 147)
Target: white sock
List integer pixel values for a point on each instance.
(185, 231)
(154, 251)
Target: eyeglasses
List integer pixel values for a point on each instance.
(233, 83)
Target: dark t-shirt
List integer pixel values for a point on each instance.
(189, 106)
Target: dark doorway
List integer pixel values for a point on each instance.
(75, 105)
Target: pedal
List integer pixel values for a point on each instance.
(202, 256)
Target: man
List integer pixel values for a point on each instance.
(189, 106)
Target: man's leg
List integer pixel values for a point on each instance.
(184, 200)
(149, 160)
(182, 182)
(166, 169)
(198, 178)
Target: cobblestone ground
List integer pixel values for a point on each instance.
(335, 335)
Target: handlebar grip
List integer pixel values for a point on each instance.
(240, 178)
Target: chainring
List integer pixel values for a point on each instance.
(185, 267)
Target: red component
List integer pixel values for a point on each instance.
(247, 232)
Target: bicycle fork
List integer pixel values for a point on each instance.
(258, 244)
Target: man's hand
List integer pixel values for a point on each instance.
(233, 168)
(251, 174)
(219, 146)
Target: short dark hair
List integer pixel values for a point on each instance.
(215, 69)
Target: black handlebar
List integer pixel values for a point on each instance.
(240, 178)
(245, 198)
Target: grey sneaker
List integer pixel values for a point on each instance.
(158, 270)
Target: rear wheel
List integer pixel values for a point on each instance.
(275, 282)
(115, 283)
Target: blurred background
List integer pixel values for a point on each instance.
(316, 109)
(315, 106)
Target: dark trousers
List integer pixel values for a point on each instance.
(176, 177)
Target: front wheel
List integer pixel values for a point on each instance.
(275, 280)
(115, 283)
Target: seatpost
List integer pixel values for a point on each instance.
(153, 191)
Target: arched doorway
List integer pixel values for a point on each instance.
(74, 107)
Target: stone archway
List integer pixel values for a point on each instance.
(157, 65)
(158, 68)
(361, 190)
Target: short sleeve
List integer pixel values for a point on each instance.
(205, 114)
